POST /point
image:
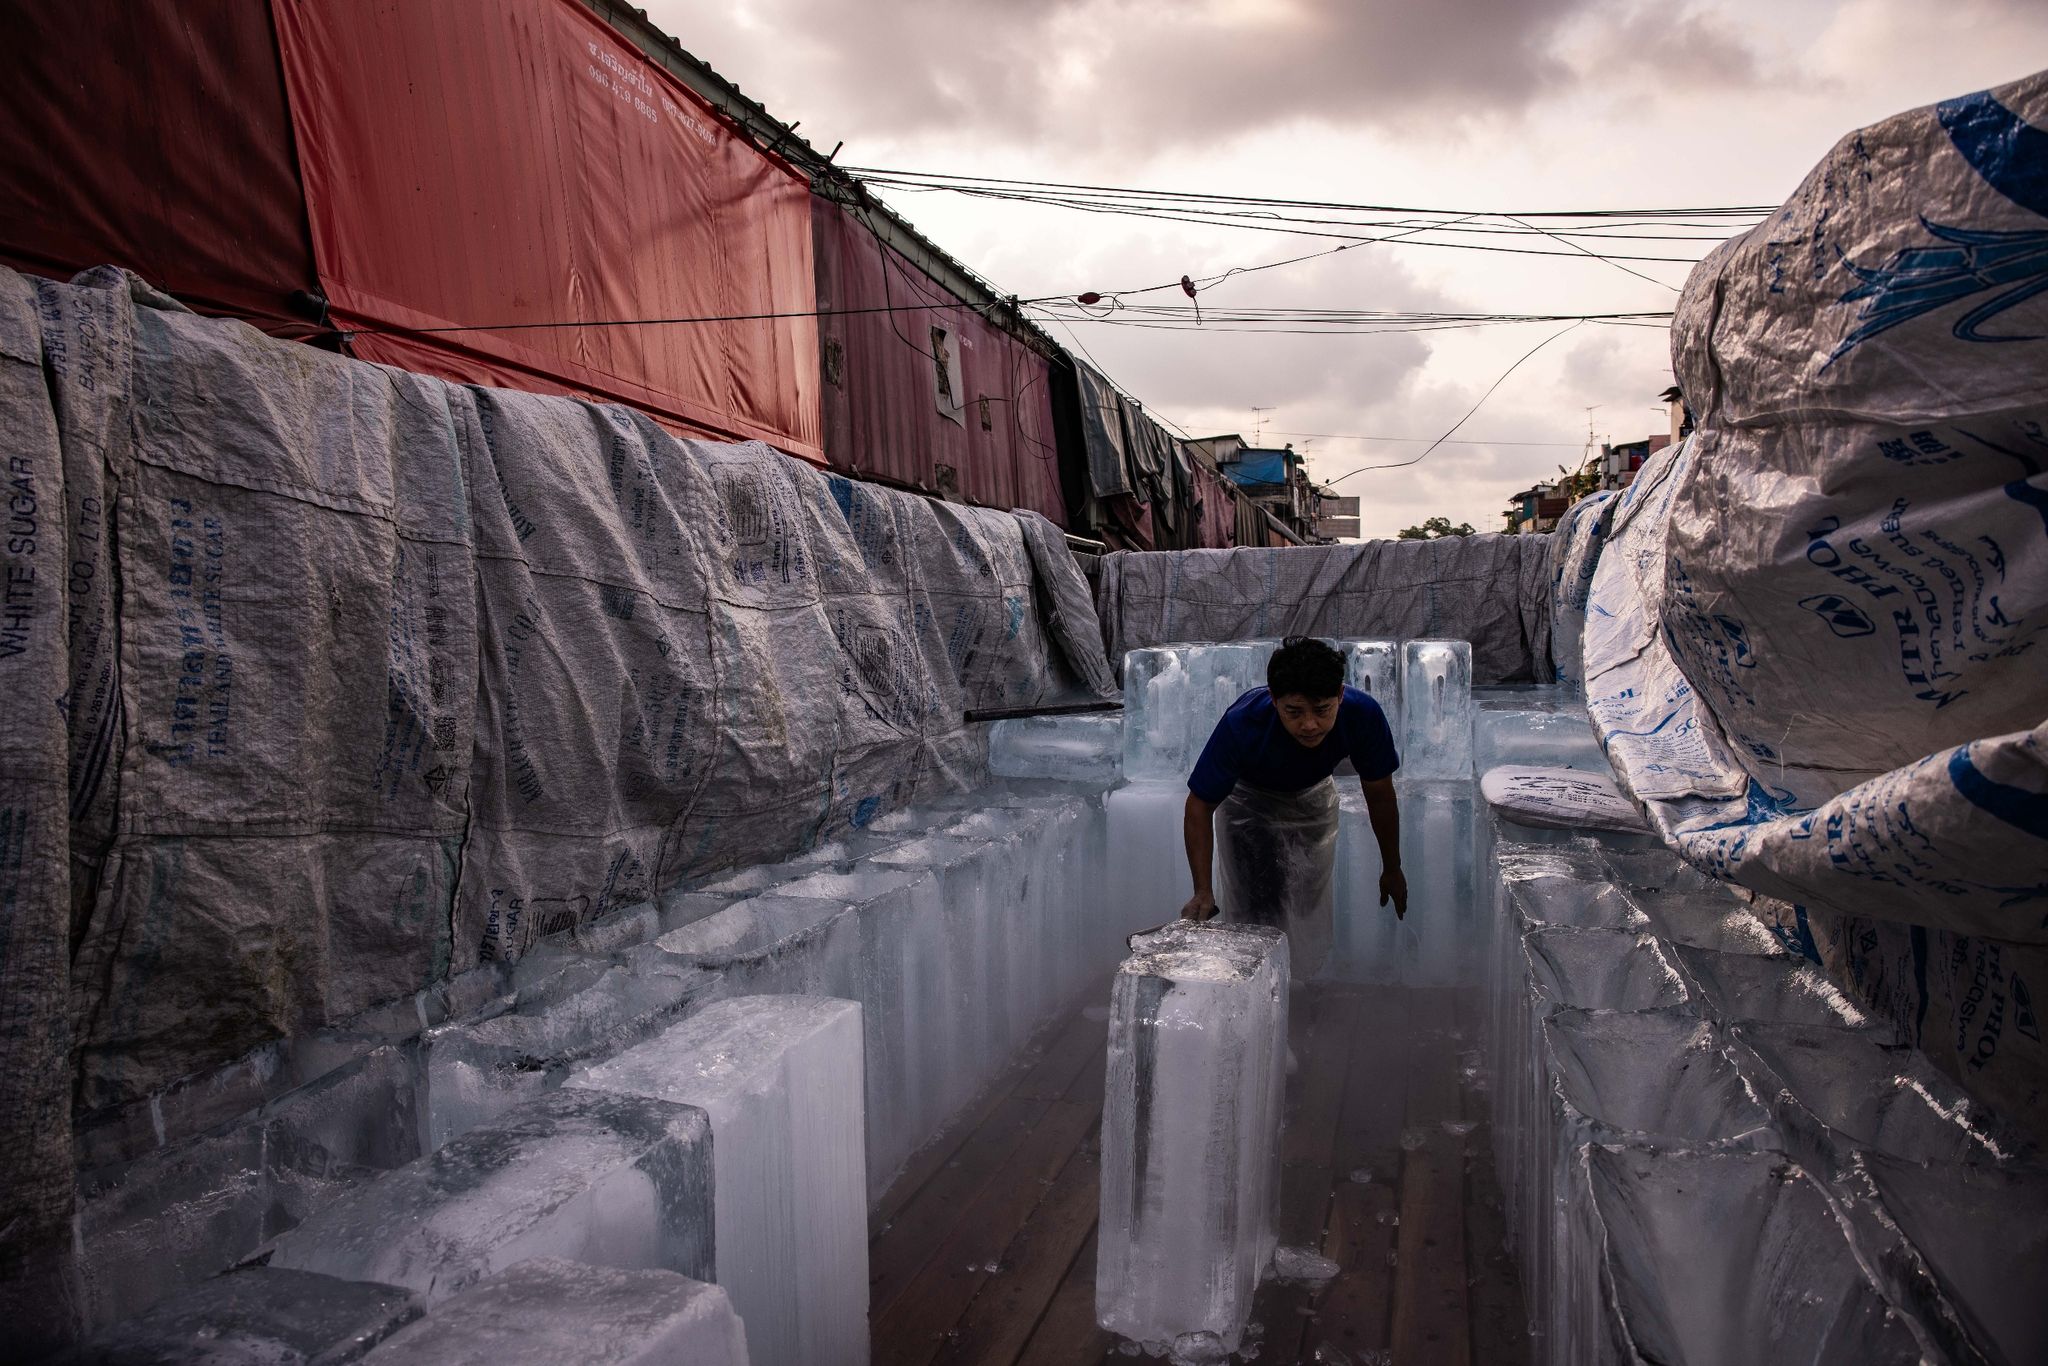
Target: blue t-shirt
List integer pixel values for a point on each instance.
(1249, 743)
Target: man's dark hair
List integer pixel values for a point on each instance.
(1306, 667)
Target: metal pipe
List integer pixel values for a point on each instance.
(1057, 709)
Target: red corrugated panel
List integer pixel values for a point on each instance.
(881, 389)
(515, 161)
(152, 135)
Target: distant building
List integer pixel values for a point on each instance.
(1618, 464)
(1537, 508)
(1277, 483)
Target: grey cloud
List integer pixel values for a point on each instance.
(1144, 75)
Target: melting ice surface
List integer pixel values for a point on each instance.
(1191, 1126)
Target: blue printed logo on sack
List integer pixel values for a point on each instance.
(2012, 157)
(1841, 615)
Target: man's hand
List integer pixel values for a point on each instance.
(1393, 887)
(1202, 906)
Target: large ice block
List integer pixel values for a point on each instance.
(1660, 1074)
(1602, 969)
(257, 1316)
(1148, 880)
(1436, 709)
(801, 938)
(1374, 666)
(1085, 748)
(1744, 986)
(1872, 1096)
(1544, 739)
(476, 1071)
(548, 1311)
(1734, 1258)
(780, 1079)
(1190, 1158)
(1175, 694)
(186, 1211)
(617, 1180)
(927, 961)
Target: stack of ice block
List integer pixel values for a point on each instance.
(477, 1070)
(1085, 748)
(1440, 942)
(1190, 1135)
(1175, 694)
(1436, 709)
(549, 1311)
(1173, 697)
(780, 1079)
(257, 1316)
(615, 1180)
(1706, 1149)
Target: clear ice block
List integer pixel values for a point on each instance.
(1436, 709)
(1175, 694)
(1374, 666)
(1148, 880)
(1541, 739)
(180, 1214)
(1663, 1075)
(257, 1316)
(1086, 748)
(1743, 986)
(780, 1079)
(615, 1180)
(796, 940)
(1602, 969)
(1733, 1258)
(1191, 1126)
(476, 1071)
(548, 1311)
(928, 962)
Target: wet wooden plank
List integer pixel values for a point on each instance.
(1353, 1314)
(944, 1146)
(1067, 1334)
(1432, 1313)
(1500, 1318)
(1322, 1025)
(1078, 1043)
(902, 1247)
(1004, 1316)
(912, 1327)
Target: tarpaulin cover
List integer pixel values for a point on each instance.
(1814, 637)
(179, 112)
(882, 410)
(1102, 434)
(1493, 591)
(411, 673)
(515, 161)
(1257, 467)
(1217, 509)
(1580, 534)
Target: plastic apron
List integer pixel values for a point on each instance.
(1276, 856)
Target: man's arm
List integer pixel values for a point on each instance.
(1384, 812)
(1198, 830)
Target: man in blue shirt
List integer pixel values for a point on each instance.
(1261, 795)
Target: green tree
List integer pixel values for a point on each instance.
(1435, 529)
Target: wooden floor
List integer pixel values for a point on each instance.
(984, 1251)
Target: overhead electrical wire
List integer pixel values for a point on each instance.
(1451, 431)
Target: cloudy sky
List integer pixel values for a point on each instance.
(1499, 105)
